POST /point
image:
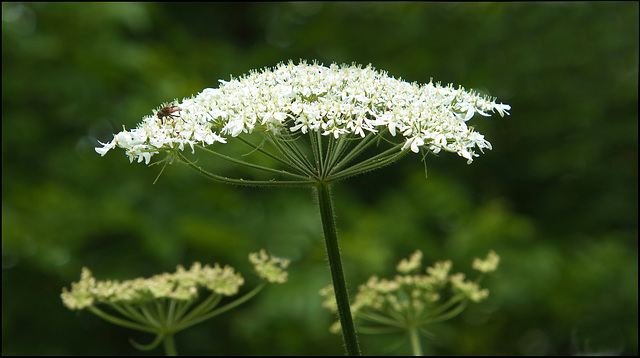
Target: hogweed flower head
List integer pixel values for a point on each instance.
(163, 304)
(412, 264)
(411, 301)
(183, 285)
(489, 264)
(269, 268)
(339, 102)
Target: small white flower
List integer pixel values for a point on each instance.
(415, 143)
(106, 147)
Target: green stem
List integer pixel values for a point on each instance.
(449, 314)
(381, 319)
(293, 153)
(251, 165)
(121, 322)
(335, 263)
(362, 145)
(378, 161)
(264, 183)
(170, 345)
(414, 336)
(191, 320)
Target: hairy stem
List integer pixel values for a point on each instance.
(335, 263)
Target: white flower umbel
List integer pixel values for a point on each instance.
(338, 101)
(317, 123)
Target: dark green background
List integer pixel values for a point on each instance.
(557, 198)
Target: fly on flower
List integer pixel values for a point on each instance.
(167, 111)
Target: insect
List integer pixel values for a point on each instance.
(167, 111)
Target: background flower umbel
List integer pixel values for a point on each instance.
(169, 303)
(413, 301)
(182, 285)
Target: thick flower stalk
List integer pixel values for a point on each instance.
(316, 125)
(166, 304)
(412, 301)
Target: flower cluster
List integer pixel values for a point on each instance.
(338, 101)
(271, 269)
(164, 304)
(182, 285)
(412, 299)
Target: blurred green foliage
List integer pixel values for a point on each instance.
(557, 198)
